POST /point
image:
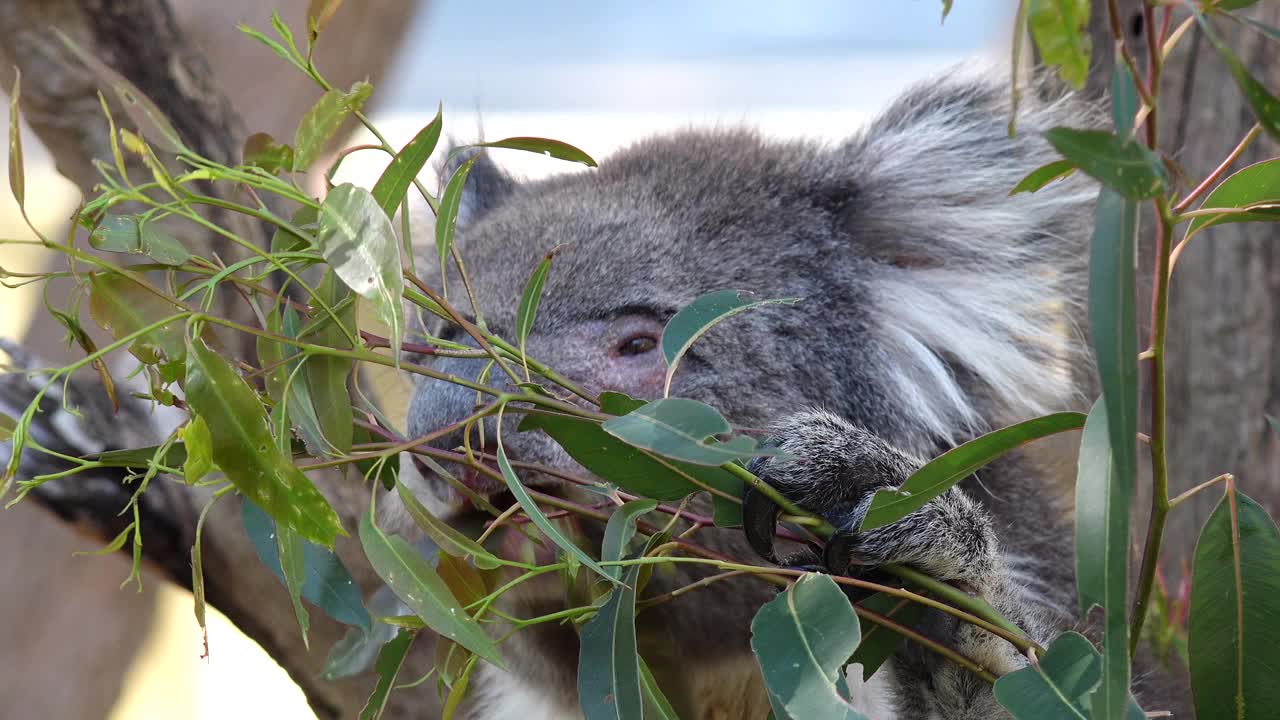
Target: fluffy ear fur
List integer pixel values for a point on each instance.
(966, 270)
(487, 185)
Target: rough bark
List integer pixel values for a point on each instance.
(144, 41)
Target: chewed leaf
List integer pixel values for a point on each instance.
(356, 238)
(802, 639)
(944, 471)
(679, 428)
(695, 319)
(543, 146)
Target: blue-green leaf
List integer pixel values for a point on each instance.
(619, 531)
(699, 316)
(609, 685)
(802, 639)
(1266, 107)
(1120, 163)
(390, 660)
(680, 428)
(1043, 175)
(1058, 687)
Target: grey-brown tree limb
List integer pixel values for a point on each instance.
(1224, 341)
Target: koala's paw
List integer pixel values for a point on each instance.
(832, 469)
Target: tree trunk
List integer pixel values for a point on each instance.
(146, 42)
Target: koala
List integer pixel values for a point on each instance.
(933, 307)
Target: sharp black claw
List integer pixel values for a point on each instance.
(838, 554)
(759, 520)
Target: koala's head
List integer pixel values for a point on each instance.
(927, 295)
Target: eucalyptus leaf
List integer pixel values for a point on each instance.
(1121, 164)
(1061, 32)
(656, 704)
(1043, 175)
(292, 559)
(940, 474)
(543, 146)
(450, 206)
(262, 151)
(695, 319)
(879, 643)
(1258, 184)
(327, 584)
(609, 684)
(619, 530)
(322, 121)
(679, 428)
(1233, 636)
(242, 448)
(199, 446)
(802, 639)
(1058, 687)
(529, 300)
(7, 426)
(448, 539)
(1266, 107)
(390, 660)
(122, 306)
(17, 173)
(395, 181)
(420, 587)
(356, 238)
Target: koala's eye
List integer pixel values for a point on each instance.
(637, 345)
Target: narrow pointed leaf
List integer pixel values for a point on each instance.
(609, 685)
(357, 239)
(530, 299)
(450, 204)
(1058, 687)
(448, 539)
(17, 173)
(199, 446)
(938, 475)
(390, 189)
(543, 146)
(1233, 636)
(243, 449)
(1258, 184)
(390, 660)
(420, 587)
(293, 565)
(1266, 107)
(679, 428)
(695, 319)
(319, 400)
(1271, 32)
(802, 639)
(1102, 557)
(1043, 175)
(7, 426)
(539, 519)
(1121, 164)
(656, 704)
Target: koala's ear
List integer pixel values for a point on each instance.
(487, 184)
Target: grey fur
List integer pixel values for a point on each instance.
(935, 307)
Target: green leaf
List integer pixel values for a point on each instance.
(1058, 687)
(1232, 4)
(619, 531)
(319, 13)
(879, 643)
(1123, 165)
(242, 448)
(174, 457)
(127, 234)
(1061, 31)
(7, 426)
(539, 519)
(1102, 556)
(802, 639)
(1258, 184)
(449, 540)
(1265, 105)
(327, 583)
(420, 587)
(1233, 636)
(450, 204)
(161, 246)
(530, 298)
(199, 446)
(1124, 100)
(146, 116)
(1043, 175)
(938, 475)
(946, 9)
(122, 307)
(390, 189)
(319, 400)
(17, 174)
(543, 146)
(293, 567)
(322, 121)
(656, 704)
(261, 150)
(628, 467)
(695, 319)
(679, 428)
(357, 240)
(609, 685)
(390, 660)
